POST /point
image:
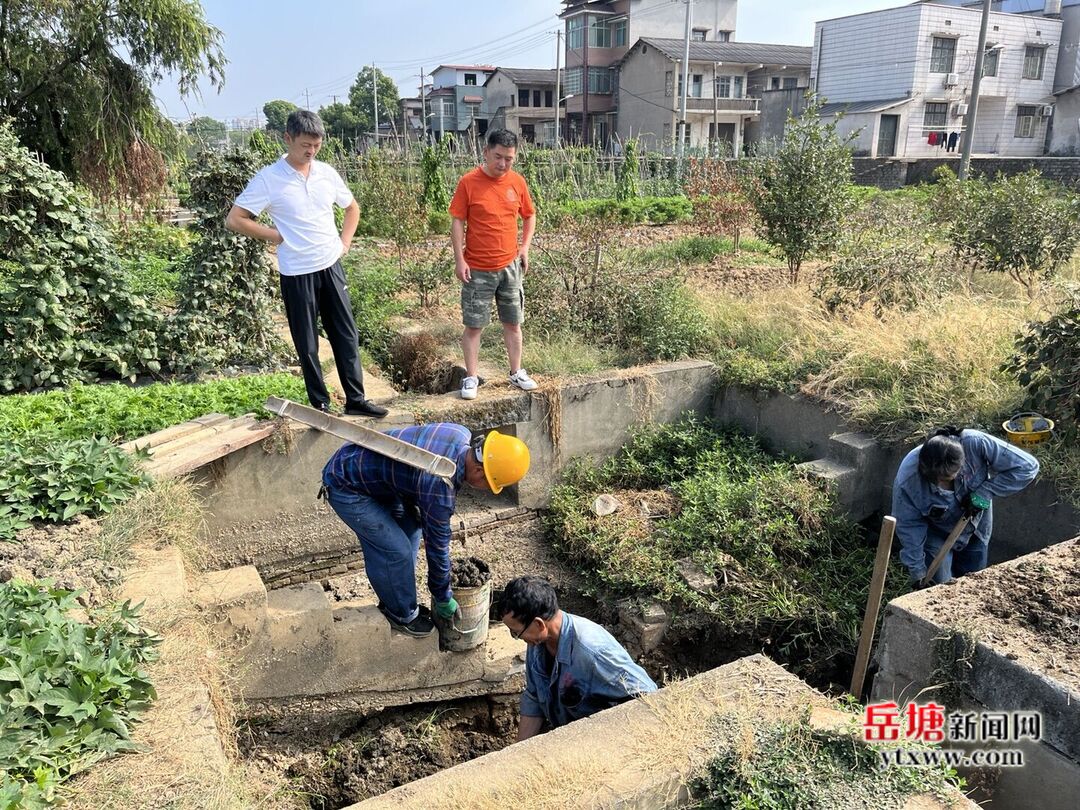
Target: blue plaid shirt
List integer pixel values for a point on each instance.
(361, 470)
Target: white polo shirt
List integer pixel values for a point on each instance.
(302, 209)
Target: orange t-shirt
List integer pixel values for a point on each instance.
(490, 209)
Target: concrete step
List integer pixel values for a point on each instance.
(831, 472)
(858, 450)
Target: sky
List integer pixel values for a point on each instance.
(310, 51)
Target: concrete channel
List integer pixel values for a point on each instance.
(302, 647)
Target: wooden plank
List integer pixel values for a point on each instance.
(207, 437)
(873, 604)
(169, 434)
(193, 457)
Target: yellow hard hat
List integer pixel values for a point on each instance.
(506, 460)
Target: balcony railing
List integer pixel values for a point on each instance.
(741, 105)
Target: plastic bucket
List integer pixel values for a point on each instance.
(458, 635)
(1028, 429)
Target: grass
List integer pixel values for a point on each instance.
(701, 250)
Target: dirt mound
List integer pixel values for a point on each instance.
(398, 747)
(469, 572)
(68, 555)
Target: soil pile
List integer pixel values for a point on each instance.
(67, 554)
(469, 572)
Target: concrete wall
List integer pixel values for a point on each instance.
(886, 173)
(776, 107)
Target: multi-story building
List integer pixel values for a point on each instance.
(902, 77)
(523, 101)
(599, 34)
(454, 99)
(726, 84)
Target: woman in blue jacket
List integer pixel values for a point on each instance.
(954, 473)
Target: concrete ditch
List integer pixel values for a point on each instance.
(276, 551)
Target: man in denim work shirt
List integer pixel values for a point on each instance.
(391, 505)
(952, 474)
(574, 668)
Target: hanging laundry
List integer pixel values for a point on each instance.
(954, 138)
(932, 140)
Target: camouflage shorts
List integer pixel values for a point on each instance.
(504, 285)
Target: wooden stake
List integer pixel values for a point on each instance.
(873, 604)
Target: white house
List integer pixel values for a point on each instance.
(455, 97)
(902, 77)
(726, 82)
(523, 101)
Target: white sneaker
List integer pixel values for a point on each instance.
(522, 380)
(468, 387)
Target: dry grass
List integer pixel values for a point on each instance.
(168, 513)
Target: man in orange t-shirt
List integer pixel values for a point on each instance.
(488, 260)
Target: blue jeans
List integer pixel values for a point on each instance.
(967, 560)
(390, 540)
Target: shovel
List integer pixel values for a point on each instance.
(439, 466)
(950, 541)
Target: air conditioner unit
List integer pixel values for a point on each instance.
(952, 79)
(960, 110)
(1047, 110)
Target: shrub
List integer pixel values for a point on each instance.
(428, 273)
(626, 173)
(372, 287)
(390, 205)
(800, 191)
(1023, 225)
(436, 196)
(438, 222)
(664, 322)
(70, 689)
(227, 284)
(887, 257)
(652, 210)
(66, 313)
(1047, 365)
(720, 204)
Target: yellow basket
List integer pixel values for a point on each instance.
(1021, 429)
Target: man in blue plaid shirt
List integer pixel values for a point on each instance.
(391, 505)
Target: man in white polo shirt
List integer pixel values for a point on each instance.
(299, 192)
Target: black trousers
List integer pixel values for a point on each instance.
(322, 295)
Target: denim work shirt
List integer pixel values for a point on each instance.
(358, 469)
(591, 672)
(922, 508)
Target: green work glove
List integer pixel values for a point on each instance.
(975, 505)
(448, 610)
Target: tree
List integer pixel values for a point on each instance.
(358, 115)
(77, 77)
(800, 190)
(277, 113)
(206, 130)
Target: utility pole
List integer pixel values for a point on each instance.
(973, 105)
(715, 110)
(558, 96)
(375, 95)
(680, 147)
(307, 99)
(423, 107)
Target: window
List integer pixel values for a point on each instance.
(1025, 121)
(723, 87)
(990, 61)
(575, 33)
(618, 33)
(791, 82)
(599, 33)
(737, 82)
(572, 81)
(699, 35)
(1034, 57)
(774, 83)
(536, 97)
(943, 55)
(470, 80)
(512, 99)
(549, 97)
(935, 113)
(669, 83)
(695, 85)
(523, 98)
(599, 80)
(723, 36)
(449, 108)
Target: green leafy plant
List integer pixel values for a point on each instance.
(428, 273)
(800, 190)
(432, 160)
(1047, 364)
(1024, 226)
(65, 309)
(390, 205)
(57, 480)
(373, 284)
(226, 286)
(70, 690)
(626, 173)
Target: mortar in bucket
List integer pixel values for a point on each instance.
(471, 582)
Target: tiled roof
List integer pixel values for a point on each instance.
(528, 75)
(743, 53)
